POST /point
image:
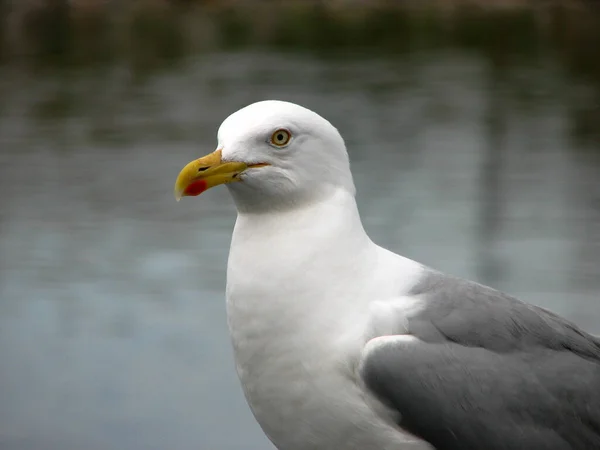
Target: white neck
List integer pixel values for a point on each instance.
(279, 259)
(289, 267)
(296, 279)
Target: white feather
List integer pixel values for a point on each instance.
(306, 287)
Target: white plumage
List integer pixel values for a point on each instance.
(304, 282)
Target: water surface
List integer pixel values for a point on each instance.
(112, 322)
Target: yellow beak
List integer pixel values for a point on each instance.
(206, 172)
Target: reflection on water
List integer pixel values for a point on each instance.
(112, 326)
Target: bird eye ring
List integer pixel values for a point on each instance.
(280, 138)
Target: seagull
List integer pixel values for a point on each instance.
(340, 344)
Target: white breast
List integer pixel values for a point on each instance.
(299, 311)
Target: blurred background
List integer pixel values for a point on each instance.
(474, 132)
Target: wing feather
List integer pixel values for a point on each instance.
(489, 371)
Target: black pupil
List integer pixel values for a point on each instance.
(280, 137)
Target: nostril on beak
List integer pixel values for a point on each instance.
(202, 169)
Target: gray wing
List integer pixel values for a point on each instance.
(489, 372)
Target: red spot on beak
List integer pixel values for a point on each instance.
(195, 188)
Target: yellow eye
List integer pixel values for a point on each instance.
(281, 138)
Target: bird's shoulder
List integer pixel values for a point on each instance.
(475, 315)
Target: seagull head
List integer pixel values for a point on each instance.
(272, 155)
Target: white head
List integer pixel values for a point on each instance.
(274, 155)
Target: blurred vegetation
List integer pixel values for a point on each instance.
(153, 35)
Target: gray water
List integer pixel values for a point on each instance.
(112, 321)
